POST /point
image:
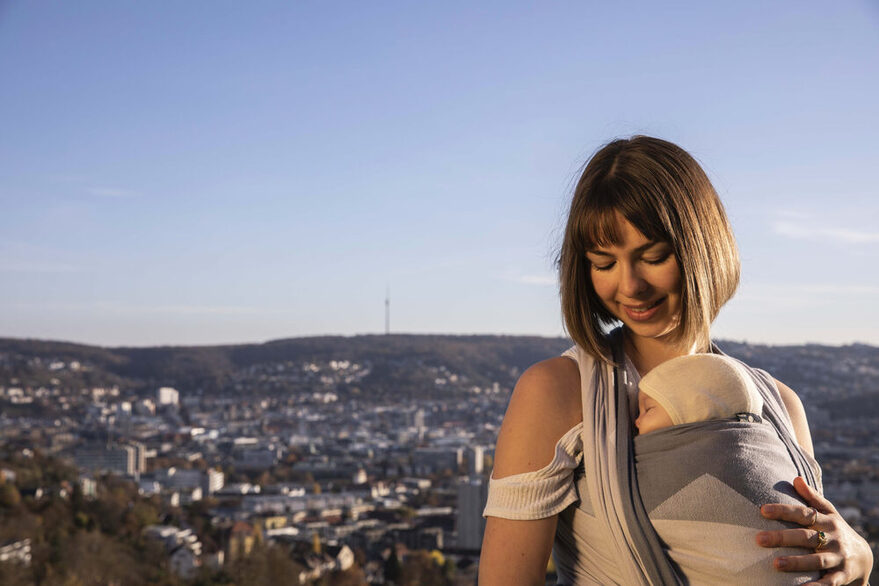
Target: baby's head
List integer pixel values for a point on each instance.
(696, 387)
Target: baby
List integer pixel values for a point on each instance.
(705, 461)
(697, 387)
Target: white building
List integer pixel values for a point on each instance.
(168, 396)
(214, 480)
(16, 551)
(183, 547)
(476, 460)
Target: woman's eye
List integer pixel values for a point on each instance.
(658, 260)
(604, 267)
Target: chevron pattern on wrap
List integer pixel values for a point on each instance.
(702, 485)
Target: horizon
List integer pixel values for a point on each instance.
(400, 334)
(195, 173)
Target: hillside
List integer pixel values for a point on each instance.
(401, 363)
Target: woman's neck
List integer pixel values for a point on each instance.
(647, 353)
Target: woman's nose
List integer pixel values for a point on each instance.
(632, 283)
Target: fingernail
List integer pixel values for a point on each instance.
(763, 539)
(768, 509)
(781, 563)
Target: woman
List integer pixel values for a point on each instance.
(648, 246)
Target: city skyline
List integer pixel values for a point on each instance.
(215, 173)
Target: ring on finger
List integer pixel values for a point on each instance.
(814, 517)
(822, 540)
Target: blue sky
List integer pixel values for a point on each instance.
(215, 172)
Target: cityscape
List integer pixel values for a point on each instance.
(205, 205)
(312, 461)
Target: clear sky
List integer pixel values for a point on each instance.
(210, 172)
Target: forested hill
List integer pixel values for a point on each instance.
(397, 362)
(396, 359)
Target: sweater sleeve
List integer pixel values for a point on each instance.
(542, 493)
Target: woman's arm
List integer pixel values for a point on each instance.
(545, 405)
(846, 558)
(516, 552)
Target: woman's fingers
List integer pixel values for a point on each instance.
(811, 496)
(807, 538)
(844, 555)
(836, 578)
(799, 514)
(813, 562)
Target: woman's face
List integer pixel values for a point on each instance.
(639, 282)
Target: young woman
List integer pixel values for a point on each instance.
(647, 248)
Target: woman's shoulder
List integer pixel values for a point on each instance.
(797, 415)
(544, 406)
(551, 389)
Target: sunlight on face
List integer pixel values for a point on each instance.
(639, 281)
(651, 415)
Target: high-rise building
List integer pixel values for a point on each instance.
(119, 459)
(475, 460)
(139, 457)
(472, 494)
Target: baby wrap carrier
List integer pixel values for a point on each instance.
(695, 518)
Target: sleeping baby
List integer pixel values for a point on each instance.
(706, 460)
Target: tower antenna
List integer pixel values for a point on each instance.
(388, 310)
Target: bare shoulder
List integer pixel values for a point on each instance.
(544, 406)
(797, 415)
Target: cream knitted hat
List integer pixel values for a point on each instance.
(699, 387)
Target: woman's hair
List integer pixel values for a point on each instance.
(664, 193)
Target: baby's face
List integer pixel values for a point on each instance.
(651, 415)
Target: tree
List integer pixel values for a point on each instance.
(421, 568)
(393, 569)
(9, 496)
(13, 574)
(351, 577)
(264, 566)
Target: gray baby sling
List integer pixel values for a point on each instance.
(613, 486)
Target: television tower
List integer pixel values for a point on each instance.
(388, 311)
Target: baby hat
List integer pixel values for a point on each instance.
(699, 387)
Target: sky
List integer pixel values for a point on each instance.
(210, 172)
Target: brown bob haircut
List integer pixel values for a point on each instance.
(664, 193)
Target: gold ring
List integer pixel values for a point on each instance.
(822, 540)
(814, 517)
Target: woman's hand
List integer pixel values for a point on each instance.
(844, 558)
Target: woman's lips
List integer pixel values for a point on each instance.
(642, 312)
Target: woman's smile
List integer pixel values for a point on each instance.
(643, 312)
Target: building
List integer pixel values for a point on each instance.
(472, 494)
(168, 396)
(16, 551)
(243, 537)
(475, 460)
(120, 459)
(214, 481)
(139, 456)
(435, 460)
(184, 562)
